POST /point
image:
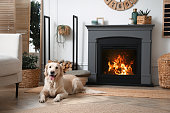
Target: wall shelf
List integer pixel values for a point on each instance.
(166, 19)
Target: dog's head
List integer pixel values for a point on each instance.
(53, 70)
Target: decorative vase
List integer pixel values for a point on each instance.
(134, 15)
(94, 22)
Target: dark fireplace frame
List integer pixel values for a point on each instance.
(143, 32)
(118, 43)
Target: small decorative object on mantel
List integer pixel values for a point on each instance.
(143, 17)
(100, 21)
(94, 22)
(62, 30)
(120, 5)
(131, 21)
(134, 16)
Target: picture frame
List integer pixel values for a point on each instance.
(100, 20)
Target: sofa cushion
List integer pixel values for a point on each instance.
(9, 65)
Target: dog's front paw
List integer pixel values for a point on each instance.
(42, 100)
(57, 98)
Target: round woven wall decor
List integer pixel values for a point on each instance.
(120, 5)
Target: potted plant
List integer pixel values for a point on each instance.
(30, 72)
(143, 17)
(63, 30)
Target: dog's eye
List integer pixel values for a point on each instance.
(56, 67)
(50, 67)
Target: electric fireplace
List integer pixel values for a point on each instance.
(120, 54)
(119, 60)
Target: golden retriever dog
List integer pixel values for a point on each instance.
(60, 86)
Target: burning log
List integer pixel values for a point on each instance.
(119, 66)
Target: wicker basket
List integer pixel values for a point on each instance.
(144, 19)
(30, 78)
(64, 30)
(164, 71)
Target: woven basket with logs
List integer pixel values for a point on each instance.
(30, 78)
(164, 71)
(66, 65)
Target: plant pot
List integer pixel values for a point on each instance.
(30, 78)
(144, 19)
(64, 30)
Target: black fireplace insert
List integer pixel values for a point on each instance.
(119, 60)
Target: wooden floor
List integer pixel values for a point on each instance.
(9, 104)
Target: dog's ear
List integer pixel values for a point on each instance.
(45, 70)
(49, 61)
(61, 70)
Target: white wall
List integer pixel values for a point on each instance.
(61, 12)
(50, 9)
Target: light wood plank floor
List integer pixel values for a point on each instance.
(9, 104)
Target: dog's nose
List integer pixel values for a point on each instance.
(52, 72)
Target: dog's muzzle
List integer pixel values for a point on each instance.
(52, 75)
(52, 72)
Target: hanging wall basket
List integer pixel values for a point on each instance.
(63, 30)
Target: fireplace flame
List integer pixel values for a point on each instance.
(120, 67)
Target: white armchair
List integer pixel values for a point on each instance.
(10, 60)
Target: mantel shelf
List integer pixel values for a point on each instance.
(120, 27)
(123, 25)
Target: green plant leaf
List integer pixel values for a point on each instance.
(29, 61)
(35, 24)
(144, 13)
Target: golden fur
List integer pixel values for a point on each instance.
(58, 85)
